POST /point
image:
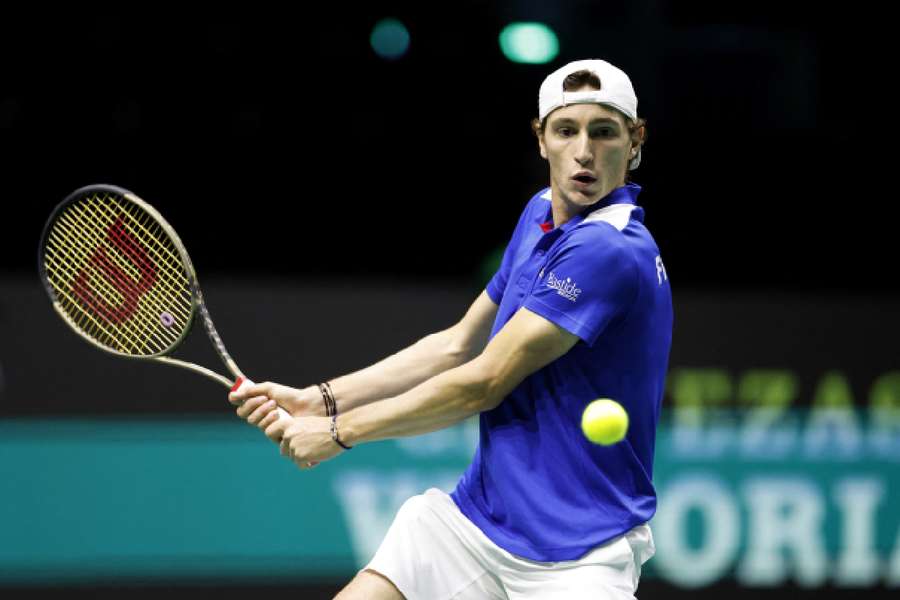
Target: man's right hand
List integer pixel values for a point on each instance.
(257, 403)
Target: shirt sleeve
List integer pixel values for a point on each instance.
(588, 283)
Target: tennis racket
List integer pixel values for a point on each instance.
(119, 276)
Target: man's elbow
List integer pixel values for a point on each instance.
(492, 400)
(488, 389)
(463, 345)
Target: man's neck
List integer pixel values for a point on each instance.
(565, 211)
(562, 211)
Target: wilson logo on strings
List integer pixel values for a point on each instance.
(102, 265)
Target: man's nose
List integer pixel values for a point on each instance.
(584, 152)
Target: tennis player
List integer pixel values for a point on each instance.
(580, 309)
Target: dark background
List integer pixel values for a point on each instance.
(278, 143)
(281, 147)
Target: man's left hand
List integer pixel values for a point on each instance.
(305, 440)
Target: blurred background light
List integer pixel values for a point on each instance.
(532, 43)
(390, 39)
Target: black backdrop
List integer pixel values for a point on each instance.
(279, 143)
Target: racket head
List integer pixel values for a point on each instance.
(117, 273)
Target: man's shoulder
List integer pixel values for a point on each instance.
(536, 206)
(539, 201)
(601, 241)
(618, 216)
(604, 230)
(618, 225)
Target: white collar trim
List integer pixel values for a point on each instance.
(616, 215)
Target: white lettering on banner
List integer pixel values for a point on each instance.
(858, 564)
(696, 567)
(832, 431)
(783, 520)
(710, 418)
(371, 498)
(786, 516)
(766, 432)
(790, 438)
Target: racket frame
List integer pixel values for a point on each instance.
(197, 302)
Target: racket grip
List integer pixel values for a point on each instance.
(242, 382)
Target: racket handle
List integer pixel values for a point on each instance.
(242, 382)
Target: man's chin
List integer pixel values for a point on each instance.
(584, 197)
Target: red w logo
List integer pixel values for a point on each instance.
(95, 297)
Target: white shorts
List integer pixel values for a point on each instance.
(434, 552)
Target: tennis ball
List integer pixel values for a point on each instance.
(604, 422)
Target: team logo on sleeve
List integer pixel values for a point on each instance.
(564, 287)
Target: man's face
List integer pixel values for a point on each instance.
(588, 147)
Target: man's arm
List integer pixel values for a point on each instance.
(526, 343)
(423, 360)
(394, 375)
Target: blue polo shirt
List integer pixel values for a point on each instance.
(536, 486)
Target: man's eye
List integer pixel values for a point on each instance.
(605, 132)
(564, 131)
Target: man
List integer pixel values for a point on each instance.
(579, 309)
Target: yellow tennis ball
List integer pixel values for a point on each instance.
(604, 422)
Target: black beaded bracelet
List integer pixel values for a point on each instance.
(334, 434)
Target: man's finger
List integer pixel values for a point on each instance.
(249, 391)
(244, 410)
(268, 420)
(275, 431)
(263, 410)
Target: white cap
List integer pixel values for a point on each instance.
(615, 91)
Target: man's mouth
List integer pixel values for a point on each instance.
(584, 178)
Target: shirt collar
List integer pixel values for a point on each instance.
(626, 194)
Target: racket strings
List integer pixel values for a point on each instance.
(177, 281)
(184, 312)
(156, 241)
(173, 263)
(88, 280)
(87, 248)
(119, 274)
(133, 344)
(90, 254)
(98, 286)
(110, 339)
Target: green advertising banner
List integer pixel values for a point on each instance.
(808, 497)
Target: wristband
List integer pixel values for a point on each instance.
(334, 434)
(328, 399)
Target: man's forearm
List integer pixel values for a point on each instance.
(399, 372)
(439, 402)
